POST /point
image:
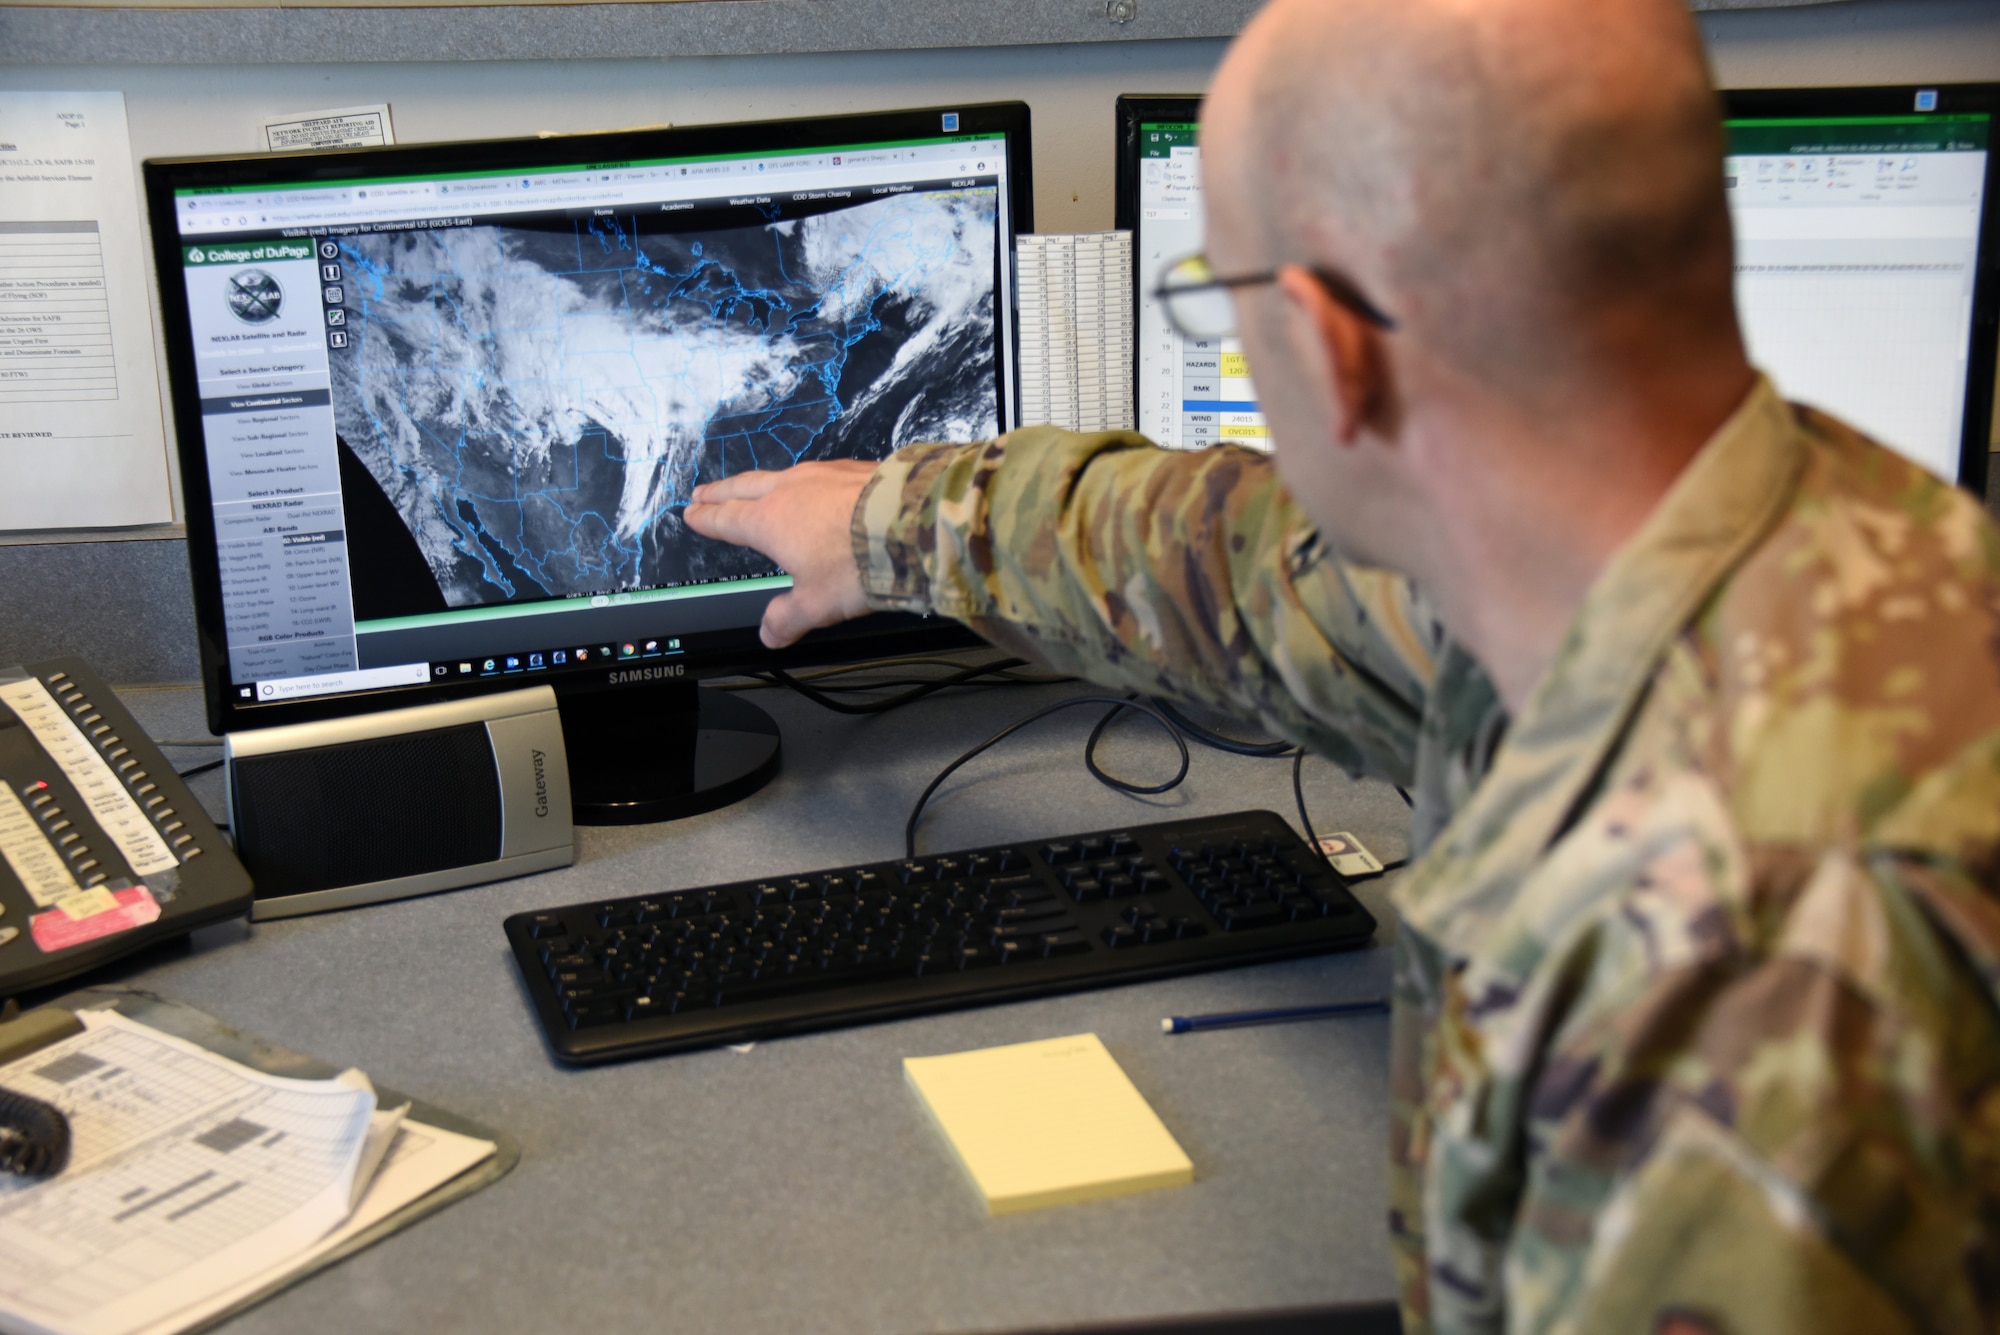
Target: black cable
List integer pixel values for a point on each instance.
(1400, 793)
(1117, 706)
(1125, 785)
(1299, 796)
(823, 677)
(959, 678)
(202, 768)
(187, 741)
(1210, 738)
(875, 685)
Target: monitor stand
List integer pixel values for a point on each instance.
(663, 751)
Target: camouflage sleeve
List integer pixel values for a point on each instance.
(1192, 576)
(1798, 1142)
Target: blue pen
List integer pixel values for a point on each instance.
(1181, 1024)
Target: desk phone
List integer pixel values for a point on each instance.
(103, 849)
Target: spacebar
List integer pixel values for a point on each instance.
(767, 989)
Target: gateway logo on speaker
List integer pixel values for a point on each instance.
(541, 785)
(649, 674)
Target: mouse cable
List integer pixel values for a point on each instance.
(202, 768)
(1109, 780)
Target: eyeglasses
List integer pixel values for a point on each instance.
(1198, 304)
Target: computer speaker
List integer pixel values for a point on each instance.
(405, 802)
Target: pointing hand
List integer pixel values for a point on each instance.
(800, 518)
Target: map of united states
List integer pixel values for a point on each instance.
(537, 401)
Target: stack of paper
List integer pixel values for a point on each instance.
(1075, 299)
(1048, 1123)
(194, 1182)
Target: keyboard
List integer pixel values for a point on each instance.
(885, 940)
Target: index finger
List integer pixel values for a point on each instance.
(736, 487)
(726, 521)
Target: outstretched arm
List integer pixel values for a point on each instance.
(1188, 575)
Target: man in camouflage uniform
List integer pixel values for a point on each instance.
(1695, 1022)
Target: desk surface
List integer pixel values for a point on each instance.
(799, 1187)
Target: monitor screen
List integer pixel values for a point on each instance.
(1191, 392)
(1858, 223)
(1866, 257)
(440, 408)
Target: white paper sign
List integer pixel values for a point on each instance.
(81, 441)
(342, 127)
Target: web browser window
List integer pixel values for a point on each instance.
(451, 420)
(1192, 392)
(1856, 248)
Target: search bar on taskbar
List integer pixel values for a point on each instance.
(366, 679)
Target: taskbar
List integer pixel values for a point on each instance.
(526, 663)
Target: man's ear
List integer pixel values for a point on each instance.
(1348, 350)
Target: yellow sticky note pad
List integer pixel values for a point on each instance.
(1048, 1123)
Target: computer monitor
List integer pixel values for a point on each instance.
(440, 408)
(1190, 393)
(1865, 258)
(1865, 250)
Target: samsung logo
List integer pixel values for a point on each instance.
(541, 784)
(648, 674)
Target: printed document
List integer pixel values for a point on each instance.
(190, 1177)
(81, 439)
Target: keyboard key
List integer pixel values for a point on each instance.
(545, 925)
(1034, 913)
(1086, 890)
(1262, 914)
(1028, 931)
(1055, 944)
(1058, 854)
(1119, 935)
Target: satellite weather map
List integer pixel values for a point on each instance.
(537, 399)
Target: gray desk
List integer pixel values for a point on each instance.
(799, 1187)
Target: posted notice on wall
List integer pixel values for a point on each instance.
(81, 439)
(341, 127)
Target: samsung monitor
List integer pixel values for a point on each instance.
(440, 407)
(1865, 263)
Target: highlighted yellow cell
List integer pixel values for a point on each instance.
(1235, 366)
(1246, 433)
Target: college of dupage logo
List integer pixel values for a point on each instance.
(254, 296)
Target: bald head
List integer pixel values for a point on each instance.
(1529, 186)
